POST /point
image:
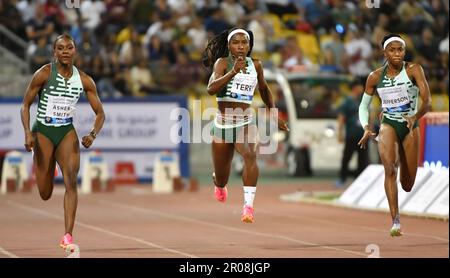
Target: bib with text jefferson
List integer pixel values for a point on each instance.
(398, 95)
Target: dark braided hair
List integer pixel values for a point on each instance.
(218, 47)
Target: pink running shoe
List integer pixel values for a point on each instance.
(221, 193)
(247, 214)
(66, 242)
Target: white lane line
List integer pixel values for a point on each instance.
(193, 220)
(101, 230)
(7, 253)
(300, 217)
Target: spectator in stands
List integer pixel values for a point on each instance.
(341, 13)
(292, 56)
(232, 11)
(358, 51)
(41, 54)
(91, 12)
(141, 80)
(39, 26)
(334, 53)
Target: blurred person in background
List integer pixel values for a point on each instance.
(399, 85)
(358, 52)
(53, 138)
(348, 118)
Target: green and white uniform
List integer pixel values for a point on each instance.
(56, 107)
(240, 89)
(399, 97)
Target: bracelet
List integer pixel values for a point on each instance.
(93, 134)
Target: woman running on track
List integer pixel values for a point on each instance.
(399, 84)
(234, 79)
(53, 138)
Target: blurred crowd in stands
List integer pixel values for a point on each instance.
(144, 47)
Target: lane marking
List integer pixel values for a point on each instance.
(224, 227)
(7, 253)
(101, 230)
(299, 217)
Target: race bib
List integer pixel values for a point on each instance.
(60, 107)
(395, 99)
(244, 84)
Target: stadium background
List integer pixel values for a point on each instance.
(141, 50)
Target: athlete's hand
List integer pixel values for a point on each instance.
(239, 64)
(282, 125)
(367, 134)
(29, 141)
(410, 121)
(87, 140)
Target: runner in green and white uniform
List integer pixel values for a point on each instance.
(233, 81)
(56, 105)
(53, 138)
(399, 98)
(399, 85)
(239, 90)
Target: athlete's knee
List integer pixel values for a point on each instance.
(71, 182)
(45, 194)
(407, 183)
(221, 180)
(390, 170)
(249, 157)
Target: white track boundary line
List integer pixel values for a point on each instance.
(386, 232)
(193, 220)
(101, 230)
(7, 253)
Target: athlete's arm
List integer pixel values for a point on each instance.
(371, 84)
(418, 75)
(97, 107)
(220, 77)
(265, 92)
(263, 88)
(37, 82)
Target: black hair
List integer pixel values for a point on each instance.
(64, 36)
(388, 37)
(218, 47)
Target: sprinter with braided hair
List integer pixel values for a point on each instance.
(233, 80)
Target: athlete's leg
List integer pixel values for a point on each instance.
(44, 164)
(409, 159)
(67, 155)
(222, 154)
(388, 149)
(246, 146)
